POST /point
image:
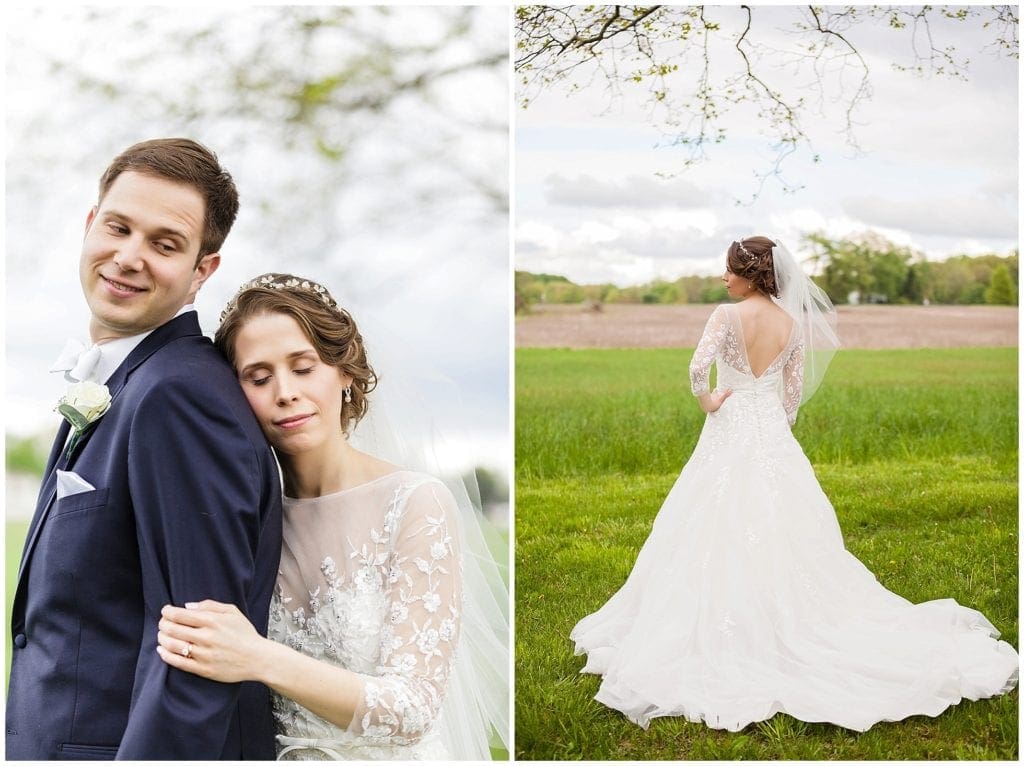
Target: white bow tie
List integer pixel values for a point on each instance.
(77, 361)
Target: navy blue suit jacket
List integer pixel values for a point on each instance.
(187, 506)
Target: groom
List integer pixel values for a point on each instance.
(169, 496)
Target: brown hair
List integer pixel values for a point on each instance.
(187, 162)
(752, 259)
(330, 329)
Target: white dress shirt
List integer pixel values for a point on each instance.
(114, 352)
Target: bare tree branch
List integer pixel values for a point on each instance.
(668, 53)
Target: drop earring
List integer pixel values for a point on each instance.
(348, 394)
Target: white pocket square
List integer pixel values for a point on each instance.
(70, 483)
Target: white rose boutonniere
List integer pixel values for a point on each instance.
(83, 404)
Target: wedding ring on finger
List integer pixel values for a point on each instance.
(186, 651)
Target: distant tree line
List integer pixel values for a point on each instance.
(863, 269)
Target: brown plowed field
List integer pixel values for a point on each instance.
(642, 326)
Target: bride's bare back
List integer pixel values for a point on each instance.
(766, 329)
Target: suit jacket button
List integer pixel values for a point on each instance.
(20, 641)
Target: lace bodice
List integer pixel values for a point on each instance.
(370, 580)
(722, 342)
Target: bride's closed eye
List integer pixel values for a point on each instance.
(262, 381)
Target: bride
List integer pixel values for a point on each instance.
(388, 635)
(743, 601)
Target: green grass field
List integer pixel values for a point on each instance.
(917, 449)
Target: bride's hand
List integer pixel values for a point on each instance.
(210, 639)
(714, 400)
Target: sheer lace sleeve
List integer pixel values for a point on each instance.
(715, 331)
(793, 381)
(421, 628)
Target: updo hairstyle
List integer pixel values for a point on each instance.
(330, 329)
(752, 259)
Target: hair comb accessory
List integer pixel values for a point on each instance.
(742, 249)
(279, 282)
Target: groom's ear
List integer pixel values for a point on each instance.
(203, 271)
(89, 218)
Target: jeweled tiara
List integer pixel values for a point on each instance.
(750, 255)
(281, 282)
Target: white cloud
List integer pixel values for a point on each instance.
(631, 191)
(968, 215)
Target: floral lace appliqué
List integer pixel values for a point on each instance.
(718, 340)
(722, 343)
(385, 604)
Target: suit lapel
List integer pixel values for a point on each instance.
(181, 326)
(67, 456)
(46, 492)
(56, 453)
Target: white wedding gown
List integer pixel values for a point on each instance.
(743, 601)
(370, 580)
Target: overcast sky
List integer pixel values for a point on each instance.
(433, 277)
(937, 171)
